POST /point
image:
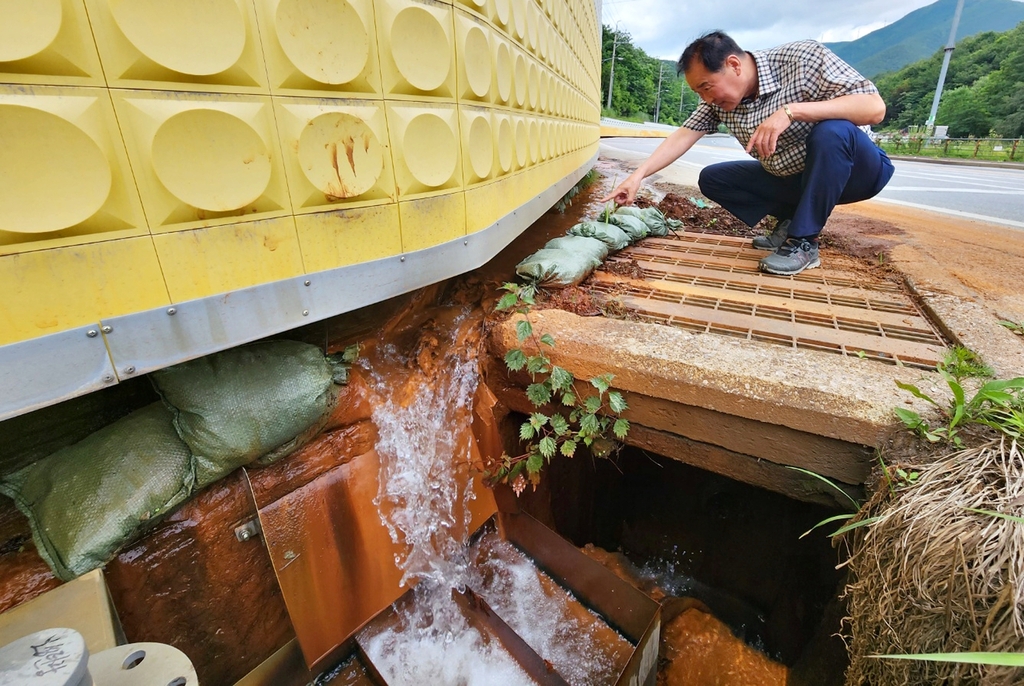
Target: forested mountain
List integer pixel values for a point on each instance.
(923, 31)
(635, 89)
(984, 88)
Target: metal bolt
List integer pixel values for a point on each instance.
(129, 370)
(305, 283)
(92, 333)
(107, 329)
(305, 313)
(248, 531)
(107, 378)
(403, 258)
(465, 242)
(172, 311)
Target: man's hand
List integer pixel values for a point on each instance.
(766, 136)
(625, 192)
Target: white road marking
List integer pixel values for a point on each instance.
(956, 213)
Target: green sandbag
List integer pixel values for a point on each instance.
(609, 234)
(630, 211)
(657, 223)
(256, 401)
(581, 244)
(85, 501)
(555, 267)
(633, 226)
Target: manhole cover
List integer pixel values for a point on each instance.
(711, 284)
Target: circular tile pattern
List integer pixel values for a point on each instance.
(215, 31)
(503, 65)
(522, 144)
(506, 145)
(28, 28)
(481, 147)
(430, 150)
(420, 47)
(325, 39)
(520, 80)
(478, 62)
(340, 155)
(211, 160)
(55, 176)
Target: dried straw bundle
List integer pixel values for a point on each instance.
(931, 576)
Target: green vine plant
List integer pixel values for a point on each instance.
(566, 202)
(577, 413)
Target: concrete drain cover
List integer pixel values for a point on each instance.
(711, 284)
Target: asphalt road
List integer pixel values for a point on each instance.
(990, 194)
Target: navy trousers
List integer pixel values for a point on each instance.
(843, 166)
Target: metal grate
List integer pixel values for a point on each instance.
(712, 284)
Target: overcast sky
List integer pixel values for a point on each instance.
(664, 27)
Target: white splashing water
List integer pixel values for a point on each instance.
(424, 503)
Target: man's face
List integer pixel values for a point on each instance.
(724, 88)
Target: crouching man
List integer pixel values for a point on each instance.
(796, 109)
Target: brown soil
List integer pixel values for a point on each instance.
(700, 215)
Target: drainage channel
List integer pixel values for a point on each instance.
(711, 284)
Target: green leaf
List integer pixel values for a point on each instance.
(535, 462)
(1011, 518)
(620, 428)
(569, 448)
(527, 293)
(908, 417)
(561, 380)
(507, 301)
(548, 339)
(538, 393)
(837, 518)
(526, 431)
(617, 402)
(589, 425)
(510, 286)
(568, 398)
(916, 391)
(559, 425)
(523, 329)
(515, 359)
(999, 659)
(547, 447)
(601, 383)
(856, 525)
(538, 420)
(592, 403)
(537, 364)
(856, 505)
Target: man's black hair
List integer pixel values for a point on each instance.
(711, 49)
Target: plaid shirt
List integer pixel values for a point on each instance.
(804, 71)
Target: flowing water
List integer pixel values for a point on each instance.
(425, 390)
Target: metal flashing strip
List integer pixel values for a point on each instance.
(711, 284)
(57, 367)
(46, 370)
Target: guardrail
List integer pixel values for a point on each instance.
(992, 149)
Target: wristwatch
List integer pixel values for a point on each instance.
(789, 113)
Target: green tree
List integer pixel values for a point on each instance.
(963, 112)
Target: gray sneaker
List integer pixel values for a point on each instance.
(794, 256)
(775, 239)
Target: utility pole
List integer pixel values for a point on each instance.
(611, 74)
(950, 46)
(657, 106)
(682, 91)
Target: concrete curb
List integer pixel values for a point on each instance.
(953, 160)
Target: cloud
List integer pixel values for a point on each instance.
(664, 27)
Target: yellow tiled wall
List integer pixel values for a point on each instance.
(155, 152)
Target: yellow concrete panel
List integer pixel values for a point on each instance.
(417, 47)
(425, 147)
(185, 45)
(325, 48)
(64, 174)
(337, 153)
(475, 77)
(203, 160)
(521, 134)
(520, 76)
(503, 68)
(487, 203)
(47, 42)
(479, 149)
(203, 262)
(52, 290)
(431, 221)
(505, 142)
(517, 27)
(483, 9)
(336, 239)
